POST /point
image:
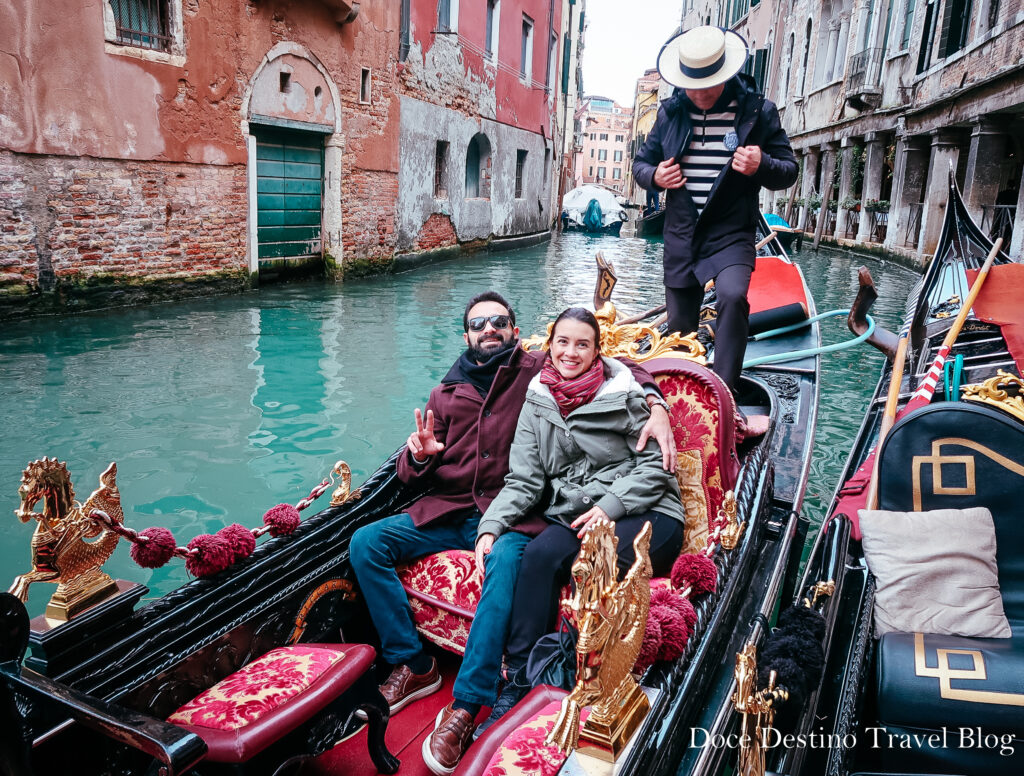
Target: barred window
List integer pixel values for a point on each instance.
(143, 23)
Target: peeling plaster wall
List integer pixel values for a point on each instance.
(502, 215)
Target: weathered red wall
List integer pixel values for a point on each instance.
(520, 104)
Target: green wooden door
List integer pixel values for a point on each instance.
(289, 184)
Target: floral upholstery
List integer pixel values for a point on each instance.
(696, 417)
(524, 751)
(258, 688)
(444, 590)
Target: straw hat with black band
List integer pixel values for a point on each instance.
(702, 57)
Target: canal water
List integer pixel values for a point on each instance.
(216, 409)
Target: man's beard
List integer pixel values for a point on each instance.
(479, 355)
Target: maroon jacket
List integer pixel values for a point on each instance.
(477, 434)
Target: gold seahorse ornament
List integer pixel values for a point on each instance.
(611, 616)
(68, 546)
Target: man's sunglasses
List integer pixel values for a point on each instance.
(497, 321)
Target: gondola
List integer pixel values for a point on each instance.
(95, 694)
(915, 701)
(651, 225)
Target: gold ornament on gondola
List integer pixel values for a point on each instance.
(1004, 391)
(68, 547)
(758, 710)
(611, 617)
(634, 341)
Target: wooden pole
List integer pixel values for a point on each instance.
(771, 236)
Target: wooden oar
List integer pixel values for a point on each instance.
(637, 318)
(891, 402)
(924, 394)
(771, 236)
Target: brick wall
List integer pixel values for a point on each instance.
(76, 219)
(368, 215)
(437, 232)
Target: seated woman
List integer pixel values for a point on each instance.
(576, 441)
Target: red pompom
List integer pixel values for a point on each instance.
(697, 572)
(650, 645)
(239, 539)
(674, 633)
(214, 555)
(670, 598)
(689, 615)
(157, 551)
(282, 519)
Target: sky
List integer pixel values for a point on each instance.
(622, 40)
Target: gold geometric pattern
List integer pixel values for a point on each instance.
(937, 461)
(945, 673)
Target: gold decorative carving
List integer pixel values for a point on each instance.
(733, 530)
(344, 491)
(821, 590)
(938, 460)
(945, 673)
(757, 708)
(611, 617)
(1004, 391)
(68, 547)
(629, 340)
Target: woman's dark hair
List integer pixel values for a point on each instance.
(487, 296)
(583, 315)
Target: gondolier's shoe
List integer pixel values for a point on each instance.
(403, 687)
(452, 736)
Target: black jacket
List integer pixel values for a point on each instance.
(698, 248)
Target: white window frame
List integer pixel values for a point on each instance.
(366, 76)
(175, 28)
(495, 33)
(453, 15)
(526, 51)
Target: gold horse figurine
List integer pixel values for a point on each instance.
(612, 617)
(68, 547)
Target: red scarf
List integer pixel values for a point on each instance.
(573, 393)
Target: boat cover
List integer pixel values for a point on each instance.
(576, 202)
(999, 303)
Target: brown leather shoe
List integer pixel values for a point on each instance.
(403, 686)
(443, 748)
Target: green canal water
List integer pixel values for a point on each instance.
(217, 409)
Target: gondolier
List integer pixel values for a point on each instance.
(715, 143)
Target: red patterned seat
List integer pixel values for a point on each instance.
(261, 703)
(444, 588)
(515, 746)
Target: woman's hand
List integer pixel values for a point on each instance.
(587, 520)
(659, 427)
(484, 543)
(422, 443)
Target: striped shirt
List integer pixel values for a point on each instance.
(707, 155)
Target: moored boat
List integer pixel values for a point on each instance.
(651, 225)
(95, 694)
(594, 209)
(909, 682)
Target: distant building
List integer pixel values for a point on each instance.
(169, 148)
(645, 111)
(606, 128)
(880, 97)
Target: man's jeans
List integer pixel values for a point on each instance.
(375, 551)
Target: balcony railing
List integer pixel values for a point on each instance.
(865, 70)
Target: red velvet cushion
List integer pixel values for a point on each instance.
(515, 745)
(255, 706)
(444, 590)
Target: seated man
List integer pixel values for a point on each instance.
(461, 447)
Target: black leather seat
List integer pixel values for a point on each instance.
(956, 704)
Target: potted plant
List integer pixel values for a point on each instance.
(832, 205)
(814, 202)
(780, 205)
(799, 202)
(850, 203)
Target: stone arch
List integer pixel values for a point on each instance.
(478, 167)
(292, 88)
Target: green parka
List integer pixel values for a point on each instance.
(588, 458)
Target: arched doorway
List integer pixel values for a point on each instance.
(478, 167)
(292, 120)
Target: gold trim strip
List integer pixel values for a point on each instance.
(946, 673)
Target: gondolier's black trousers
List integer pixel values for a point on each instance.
(733, 310)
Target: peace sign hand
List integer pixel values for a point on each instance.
(422, 443)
